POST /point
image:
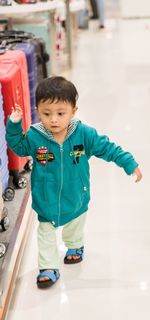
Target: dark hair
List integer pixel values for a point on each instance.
(56, 89)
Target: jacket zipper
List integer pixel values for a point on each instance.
(61, 181)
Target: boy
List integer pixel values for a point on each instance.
(61, 147)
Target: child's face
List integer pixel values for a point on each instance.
(56, 116)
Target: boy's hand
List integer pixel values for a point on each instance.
(138, 174)
(16, 114)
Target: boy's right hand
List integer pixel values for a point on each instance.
(16, 114)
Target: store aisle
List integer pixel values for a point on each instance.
(111, 73)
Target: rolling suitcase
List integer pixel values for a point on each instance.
(42, 55)
(8, 191)
(22, 91)
(4, 173)
(14, 92)
(29, 50)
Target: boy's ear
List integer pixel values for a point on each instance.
(75, 109)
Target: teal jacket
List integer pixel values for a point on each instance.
(60, 183)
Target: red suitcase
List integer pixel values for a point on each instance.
(23, 94)
(10, 79)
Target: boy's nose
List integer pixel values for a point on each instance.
(53, 119)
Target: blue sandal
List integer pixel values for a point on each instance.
(74, 252)
(53, 276)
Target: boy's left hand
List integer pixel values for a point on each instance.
(138, 174)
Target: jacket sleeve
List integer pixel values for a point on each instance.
(101, 147)
(16, 140)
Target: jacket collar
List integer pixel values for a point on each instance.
(71, 128)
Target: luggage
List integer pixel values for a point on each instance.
(8, 191)
(29, 50)
(35, 54)
(15, 90)
(42, 56)
(20, 93)
(4, 173)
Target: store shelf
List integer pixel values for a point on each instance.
(68, 10)
(23, 9)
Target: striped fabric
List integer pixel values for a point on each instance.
(71, 128)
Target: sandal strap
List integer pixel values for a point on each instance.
(75, 252)
(52, 275)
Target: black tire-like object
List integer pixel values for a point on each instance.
(29, 165)
(20, 182)
(5, 220)
(8, 194)
(5, 223)
(2, 249)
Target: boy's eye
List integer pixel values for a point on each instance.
(46, 114)
(61, 113)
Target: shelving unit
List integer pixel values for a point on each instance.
(69, 9)
(26, 9)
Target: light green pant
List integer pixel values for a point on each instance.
(72, 236)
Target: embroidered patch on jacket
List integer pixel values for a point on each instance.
(78, 152)
(43, 156)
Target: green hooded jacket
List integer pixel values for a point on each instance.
(60, 183)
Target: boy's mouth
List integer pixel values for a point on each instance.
(54, 126)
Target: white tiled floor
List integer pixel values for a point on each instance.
(112, 74)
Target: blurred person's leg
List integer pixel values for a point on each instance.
(94, 9)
